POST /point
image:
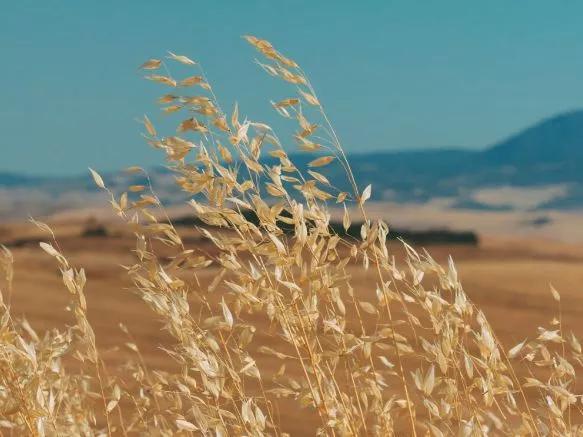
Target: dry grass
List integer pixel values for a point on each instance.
(414, 356)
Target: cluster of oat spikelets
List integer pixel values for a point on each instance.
(418, 359)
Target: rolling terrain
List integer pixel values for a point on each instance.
(525, 213)
(541, 163)
(522, 197)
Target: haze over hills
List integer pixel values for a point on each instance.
(537, 168)
(555, 140)
(546, 158)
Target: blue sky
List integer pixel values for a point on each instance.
(392, 74)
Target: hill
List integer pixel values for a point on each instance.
(547, 154)
(553, 141)
(542, 163)
(14, 179)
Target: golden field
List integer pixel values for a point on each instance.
(507, 278)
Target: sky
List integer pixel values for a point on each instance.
(392, 74)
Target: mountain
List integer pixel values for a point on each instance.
(549, 153)
(15, 179)
(556, 140)
(542, 164)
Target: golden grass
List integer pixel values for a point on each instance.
(414, 357)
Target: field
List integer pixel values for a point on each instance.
(507, 278)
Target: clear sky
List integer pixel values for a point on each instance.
(392, 74)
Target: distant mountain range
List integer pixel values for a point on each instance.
(547, 154)
(546, 158)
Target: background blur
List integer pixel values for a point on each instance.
(465, 116)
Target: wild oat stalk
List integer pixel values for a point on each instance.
(415, 358)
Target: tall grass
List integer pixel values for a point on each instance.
(416, 358)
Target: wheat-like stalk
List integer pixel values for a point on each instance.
(413, 356)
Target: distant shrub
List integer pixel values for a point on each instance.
(94, 229)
